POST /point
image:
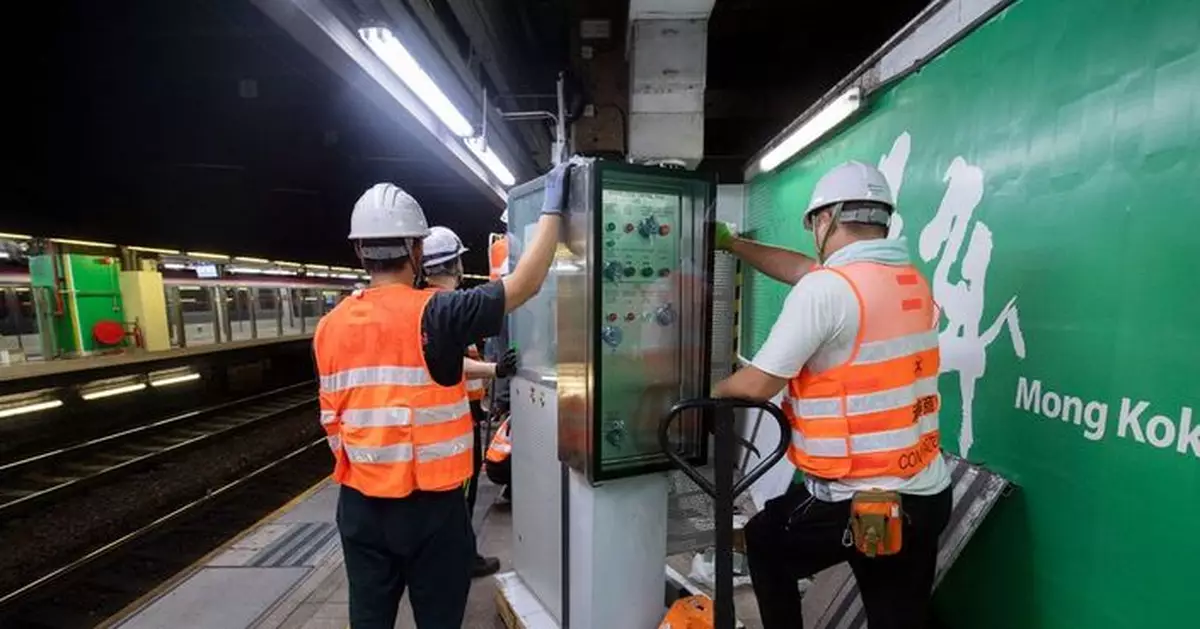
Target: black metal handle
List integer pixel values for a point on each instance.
(724, 410)
(723, 489)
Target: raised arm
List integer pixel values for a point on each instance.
(526, 279)
(780, 264)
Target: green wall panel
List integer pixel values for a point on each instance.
(1048, 169)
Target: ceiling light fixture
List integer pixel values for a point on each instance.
(829, 117)
(103, 393)
(30, 408)
(83, 243)
(384, 44)
(162, 382)
(210, 256)
(166, 252)
(491, 160)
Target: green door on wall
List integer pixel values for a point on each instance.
(1047, 169)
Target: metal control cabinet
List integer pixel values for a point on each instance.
(631, 301)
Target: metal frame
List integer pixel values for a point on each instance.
(723, 489)
(580, 292)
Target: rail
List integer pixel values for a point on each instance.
(13, 597)
(55, 473)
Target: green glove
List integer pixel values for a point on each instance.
(723, 234)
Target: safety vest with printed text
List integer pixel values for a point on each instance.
(498, 257)
(501, 446)
(392, 428)
(877, 413)
(475, 386)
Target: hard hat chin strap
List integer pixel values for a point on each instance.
(834, 218)
(418, 269)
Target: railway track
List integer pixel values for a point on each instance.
(90, 589)
(55, 474)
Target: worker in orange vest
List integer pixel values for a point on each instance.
(498, 256)
(499, 458)
(394, 408)
(442, 260)
(855, 354)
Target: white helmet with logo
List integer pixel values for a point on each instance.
(853, 181)
(385, 212)
(441, 245)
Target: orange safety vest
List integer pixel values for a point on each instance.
(501, 446)
(498, 257)
(475, 386)
(392, 428)
(877, 413)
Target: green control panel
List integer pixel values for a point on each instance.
(621, 330)
(640, 286)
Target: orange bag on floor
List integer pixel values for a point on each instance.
(693, 612)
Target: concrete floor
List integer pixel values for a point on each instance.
(326, 606)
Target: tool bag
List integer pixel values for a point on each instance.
(876, 522)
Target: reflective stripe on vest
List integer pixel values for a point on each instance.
(392, 428)
(501, 446)
(498, 257)
(877, 414)
(375, 377)
(475, 388)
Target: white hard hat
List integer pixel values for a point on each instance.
(385, 212)
(852, 181)
(441, 245)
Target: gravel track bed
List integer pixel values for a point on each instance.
(58, 533)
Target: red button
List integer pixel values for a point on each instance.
(629, 316)
(612, 316)
(663, 230)
(628, 227)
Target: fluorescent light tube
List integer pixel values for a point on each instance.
(491, 160)
(30, 408)
(210, 256)
(397, 58)
(829, 117)
(102, 393)
(168, 252)
(83, 243)
(175, 379)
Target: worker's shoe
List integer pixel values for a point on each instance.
(484, 566)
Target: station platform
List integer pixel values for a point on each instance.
(66, 370)
(287, 573)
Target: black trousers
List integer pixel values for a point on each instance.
(423, 543)
(796, 536)
(479, 418)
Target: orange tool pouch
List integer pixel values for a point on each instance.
(876, 521)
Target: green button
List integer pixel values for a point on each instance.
(647, 271)
(629, 271)
(610, 227)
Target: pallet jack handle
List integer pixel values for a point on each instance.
(718, 416)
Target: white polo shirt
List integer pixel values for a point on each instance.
(817, 327)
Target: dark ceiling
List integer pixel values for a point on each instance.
(202, 125)
(768, 60)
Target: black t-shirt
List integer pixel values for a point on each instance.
(453, 320)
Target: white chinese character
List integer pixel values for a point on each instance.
(963, 347)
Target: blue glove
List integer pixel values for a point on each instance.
(557, 180)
